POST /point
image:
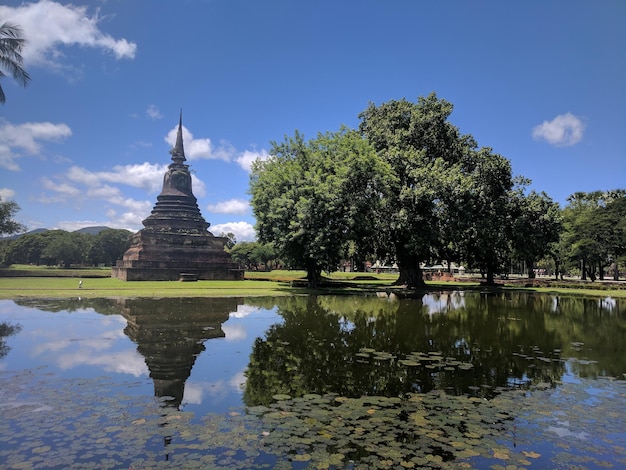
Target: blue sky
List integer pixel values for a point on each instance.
(87, 142)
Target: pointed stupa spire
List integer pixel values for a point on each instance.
(178, 152)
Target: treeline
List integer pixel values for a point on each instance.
(594, 234)
(62, 248)
(408, 188)
(254, 256)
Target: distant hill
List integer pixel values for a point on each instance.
(88, 230)
(92, 230)
(32, 232)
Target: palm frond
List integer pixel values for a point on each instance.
(11, 44)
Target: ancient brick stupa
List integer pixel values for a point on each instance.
(175, 243)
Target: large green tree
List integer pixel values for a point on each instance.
(8, 225)
(312, 199)
(595, 231)
(426, 154)
(11, 44)
(68, 248)
(108, 246)
(536, 227)
(30, 248)
(253, 255)
(615, 226)
(242, 253)
(486, 231)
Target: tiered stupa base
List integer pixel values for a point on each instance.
(173, 257)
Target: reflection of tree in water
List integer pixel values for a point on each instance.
(103, 306)
(7, 330)
(509, 338)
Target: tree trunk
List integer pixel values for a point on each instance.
(530, 265)
(601, 271)
(490, 276)
(410, 273)
(557, 269)
(313, 276)
(592, 275)
(583, 272)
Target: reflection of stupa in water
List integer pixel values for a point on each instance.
(170, 334)
(175, 240)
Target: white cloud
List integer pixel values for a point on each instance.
(244, 311)
(225, 151)
(6, 193)
(232, 206)
(196, 149)
(153, 112)
(71, 348)
(63, 189)
(238, 381)
(147, 176)
(197, 392)
(18, 140)
(198, 187)
(128, 220)
(104, 192)
(563, 131)
(114, 196)
(104, 185)
(95, 188)
(243, 231)
(48, 26)
(246, 158)
(234, 332)
(123, 362)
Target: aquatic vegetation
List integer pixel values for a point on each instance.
(388, 386)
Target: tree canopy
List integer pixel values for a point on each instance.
(595, 231)
(8, 225)
(426, 154)
(536, 228)
(59, 247)
(409, 188)
(312, 198)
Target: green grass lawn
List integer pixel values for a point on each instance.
(47, 282)
(57, 283)
(54, 287)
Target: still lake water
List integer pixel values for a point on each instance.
(451, 380)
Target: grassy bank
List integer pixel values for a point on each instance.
(11, 288)
(45, 282)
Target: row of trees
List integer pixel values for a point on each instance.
(594, 235)
(254, 256)
(405, 187)
(408, 187)
(58, 247)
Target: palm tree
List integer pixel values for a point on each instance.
(11, 43)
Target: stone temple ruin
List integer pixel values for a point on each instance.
(175, 243)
